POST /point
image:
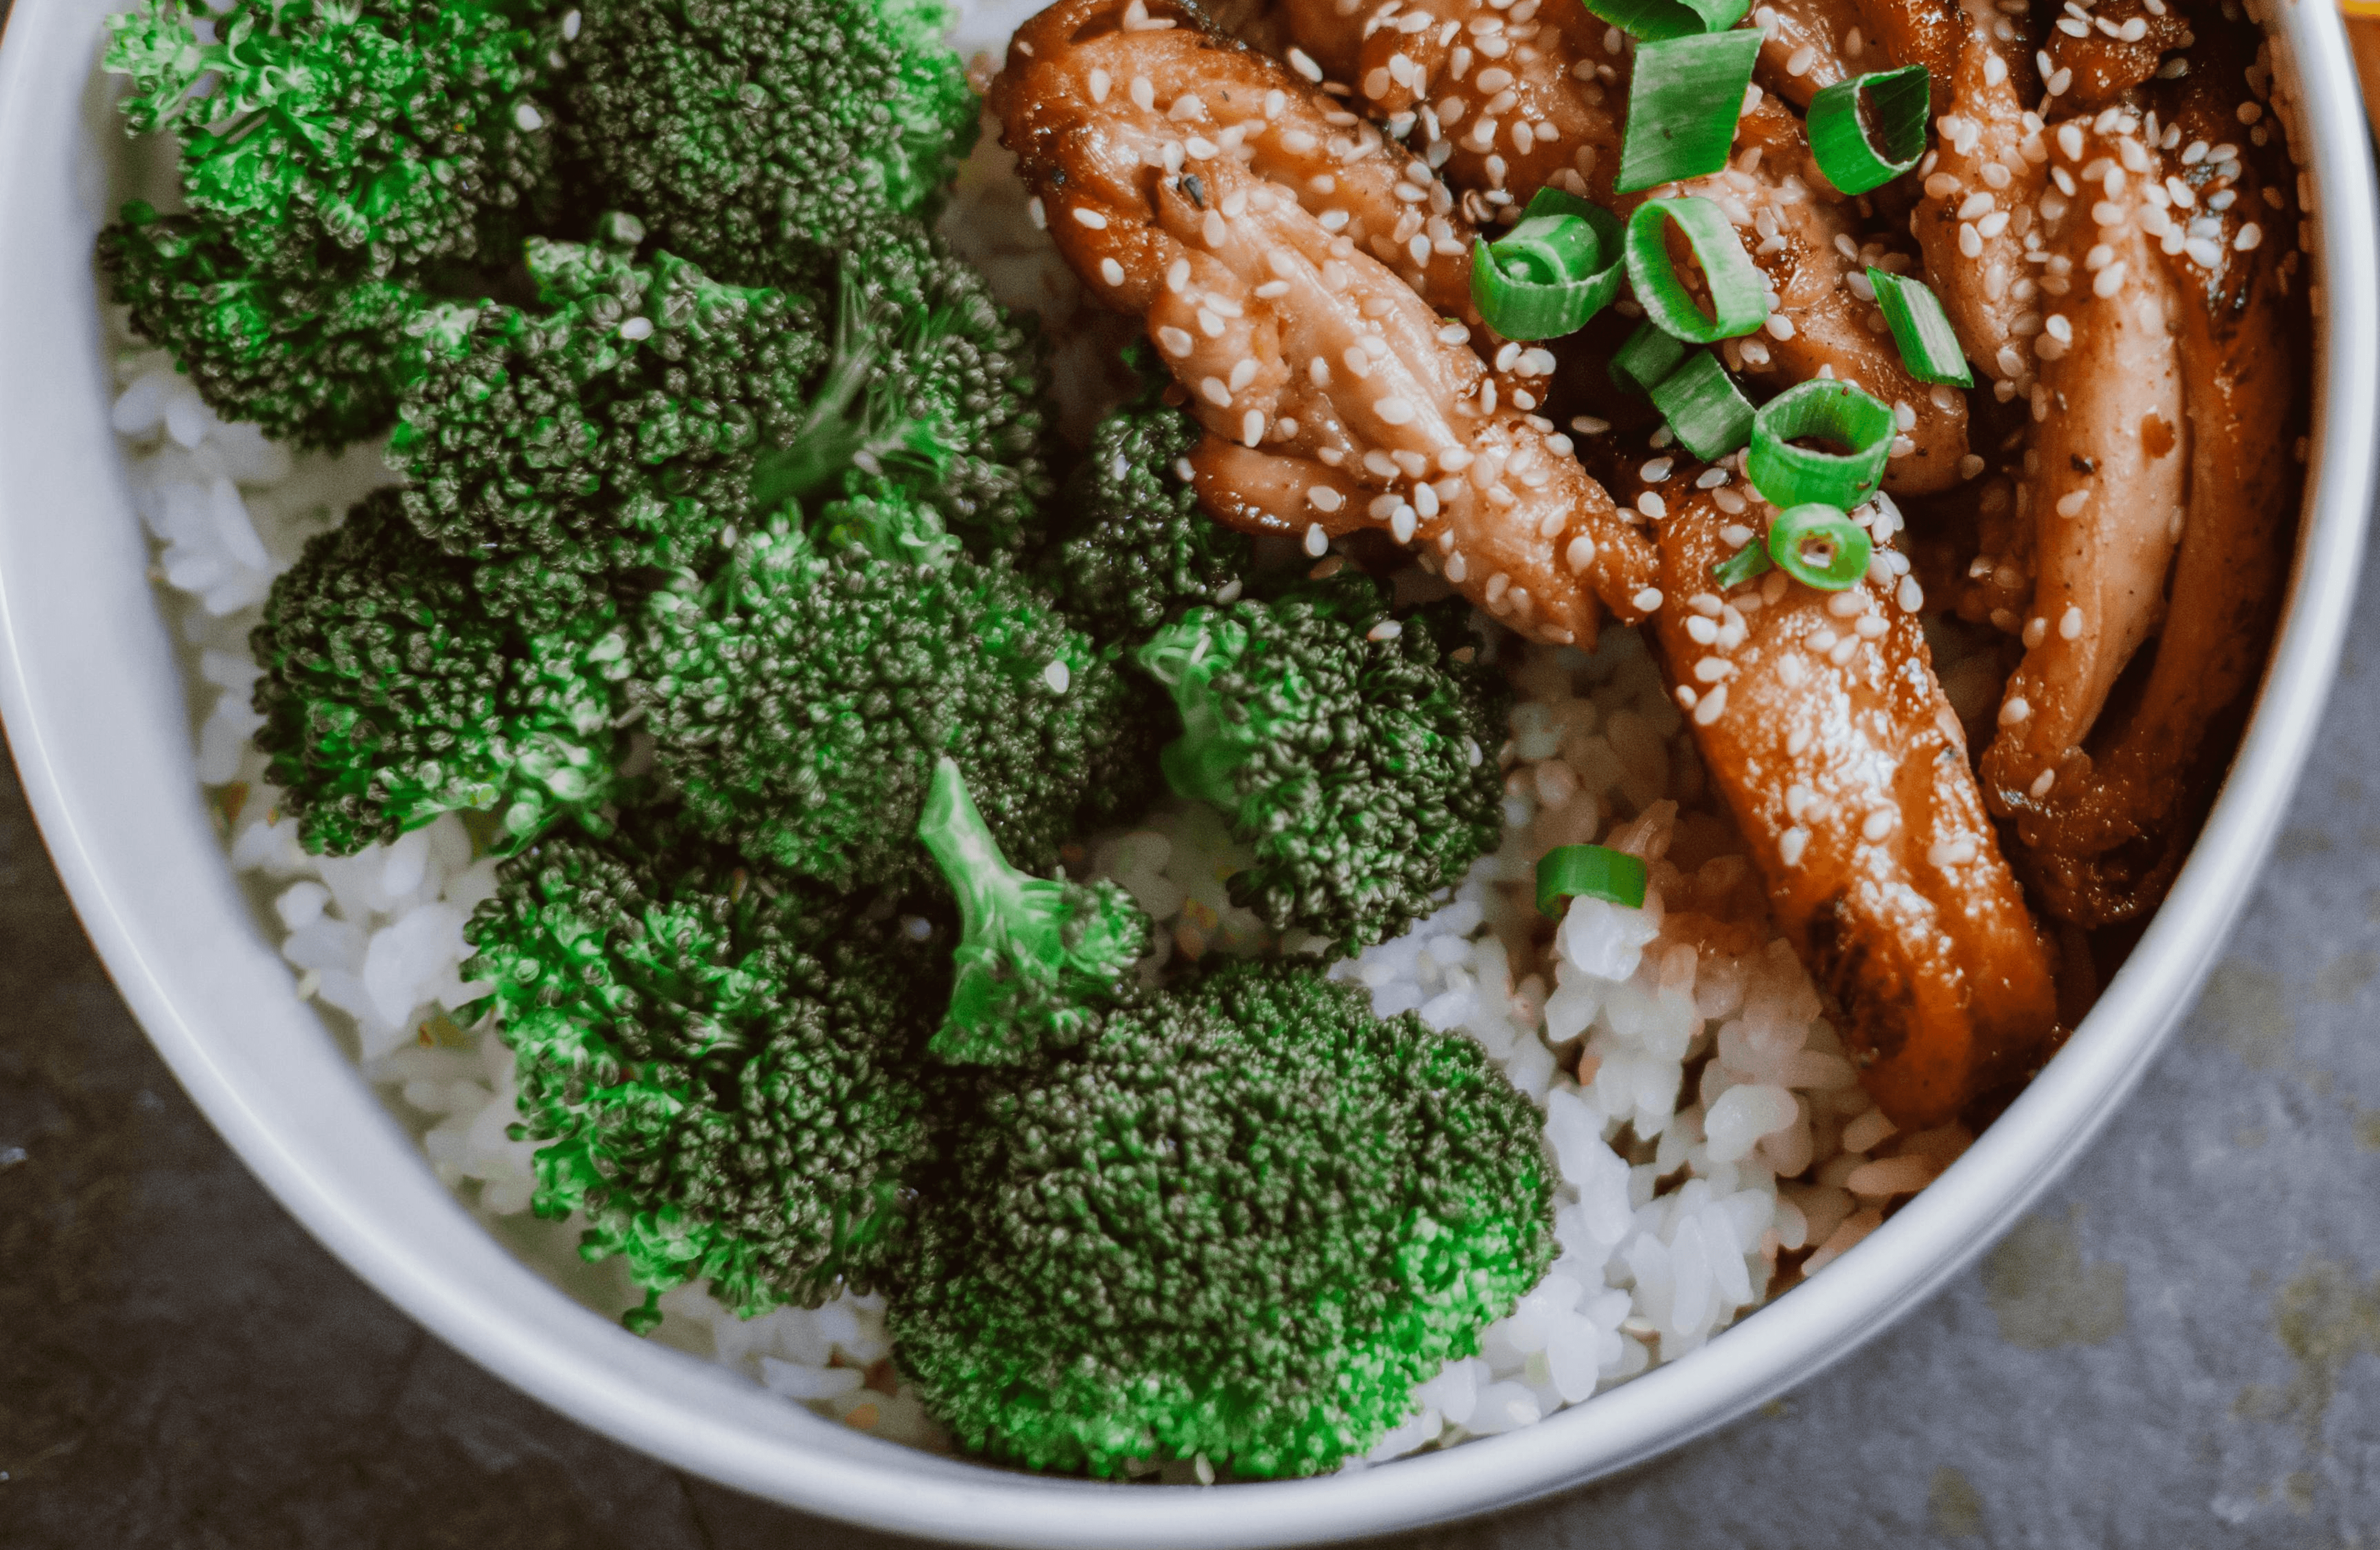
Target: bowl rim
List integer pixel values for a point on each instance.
(201, 994)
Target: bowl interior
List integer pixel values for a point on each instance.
(98, 719)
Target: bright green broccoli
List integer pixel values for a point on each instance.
(1243, 1220)
(340, 162)
(718, 1060)
(390, 694)
(1037, 960)
(760, 136)
(1348, 745)
(934, 386)
(1137, 549)
(614, 430)
(800, 698)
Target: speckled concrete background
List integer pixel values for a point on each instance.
(2181, 1349)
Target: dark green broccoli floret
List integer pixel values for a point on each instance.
(390, 694)
(718, 1058)
(339, 162)
(614, 430)
(759, 135)
(1138, 550)
(1348, 746)
(1244, 1220)
(801, 699)
(934, 386)
(1037, 960)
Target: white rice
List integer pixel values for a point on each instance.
(1681, 1206)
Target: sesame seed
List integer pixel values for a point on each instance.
(1215, 392)
(636, 328)
(1713, 707)
(1387, 629)
(1112, 272)
(1058, 675)
(1648, 600)
(1791, 844)
(1089, 217)
(526, 117)
(1878, 825)
(1316, 540)
(1402, 523)
(2015, 710)
(1302, 63)
(2042, 783)
(2109, 281)
(1393, 412)
(1322, 498)
(1580, 553)
(2071, 503)
(2250, 236)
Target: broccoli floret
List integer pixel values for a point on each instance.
(614, 430)
(935, 387)
(717, 1059)
(800, 699)
(1348, 746)
(1037, 960)
(339, 162)
(390, 694)
(1138, 550)
(757, 136)
(1244, 1220)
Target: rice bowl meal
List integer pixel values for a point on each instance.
(1381, 711)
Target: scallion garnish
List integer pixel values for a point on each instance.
(1557, 268)
(1657, 21)
(1743, 566)
(1706, 412)
(1890, 104)
(1570, 871)
(1929, 346)
(1684, 98)
(1823, 409)
(1819, 546)
(1739, 299)
(1648, 357)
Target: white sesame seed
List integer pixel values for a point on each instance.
(2109, 281)
(1648, 600)
(1317, 541)
(1058, 675)
(2042, 783)
(1215, 392)
(526, 117)
(1714, 705)
(1387, 629)
(1791, 844)
(1085, 216)
(2015, 710)
(2250, 236)
(1112, 272)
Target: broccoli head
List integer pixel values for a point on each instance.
(339, 162)
(1243, 1220)
(800, 699)
(933, 385)
(717, 1059)
(1036, 960)
(390, 694)
(759, 136)
(616, 429)
(1137, 549)
(1346, 745)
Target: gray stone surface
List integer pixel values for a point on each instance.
(2181, 1349)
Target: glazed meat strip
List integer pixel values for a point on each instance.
(1819, 719)
(2106, 838)
(2107, 473)
(1984, 183)
(1806, 45)
(1335, 399)
(1547, 107)
(2111, 48)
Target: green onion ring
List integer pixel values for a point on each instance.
(1827, 409)
(1553, 271)
(1588, 872)
(1648, 357)
(1896, 102)
(1929, 346)
(1738, 296)
(1657, 21)
(1684, 96)
(1706, 412)
(1847, 547)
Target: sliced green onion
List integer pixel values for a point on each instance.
(1842, 547)
(1648, 357)
(1684, 98)
(1557, 268)
(1929, 346)
(1659, 21)
(1588, 872)
(1743, 566)
(1892, 104)
(1706, 412)
(1824, 410)
(1739, 298)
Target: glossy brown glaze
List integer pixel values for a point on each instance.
(1820, 720)
(1336, 399)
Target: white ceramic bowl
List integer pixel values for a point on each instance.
(97, 718)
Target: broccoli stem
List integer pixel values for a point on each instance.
(1037, 960)
(1186, 657)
